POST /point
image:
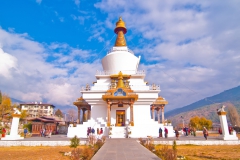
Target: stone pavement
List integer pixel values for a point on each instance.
(124, 149)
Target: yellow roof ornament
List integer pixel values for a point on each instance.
(120, 30)
(120, 83)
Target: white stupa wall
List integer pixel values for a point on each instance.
(98, 112)
(137, 81)
(141, 114)
(120, 59)
(103, 81)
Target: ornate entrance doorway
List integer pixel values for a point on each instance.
(120, 118)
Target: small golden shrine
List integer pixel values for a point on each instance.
(120, 94)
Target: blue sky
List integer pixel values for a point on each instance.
(50, 49)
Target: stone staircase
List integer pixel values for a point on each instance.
(118, 132)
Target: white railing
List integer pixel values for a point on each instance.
(139, 72)
(120, 49)
(133, 87)
(95, 88)
(144, 87)
(154, 87)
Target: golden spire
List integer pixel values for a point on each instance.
(120, 83)
(120, 30)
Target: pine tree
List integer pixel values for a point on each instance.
(0, 97)
(59, 113)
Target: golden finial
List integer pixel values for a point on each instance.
(120, 83)
(120, 30)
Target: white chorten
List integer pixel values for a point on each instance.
(120, 101)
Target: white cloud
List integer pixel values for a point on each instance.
(77, 2)
(53, 73)
(189, 47)
(7, 62)
(39, 1)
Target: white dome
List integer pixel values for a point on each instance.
(120, 59)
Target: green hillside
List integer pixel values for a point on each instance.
(231, 95)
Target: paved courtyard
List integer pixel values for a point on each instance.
(124, 149)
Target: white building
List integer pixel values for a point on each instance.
(120, 101)
(36, 109)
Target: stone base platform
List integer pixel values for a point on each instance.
(10, 137)
(63, 140)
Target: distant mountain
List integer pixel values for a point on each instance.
(231, 95)
(16, 100)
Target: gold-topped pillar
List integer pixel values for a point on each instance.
(162, 108)
(153, 115)
(89, 114)
(84, 110)
(131, 114)
(108, 113)
(158, 114)
(79, 121)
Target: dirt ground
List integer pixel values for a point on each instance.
(34, 153)
(209, 152)
(56, 153)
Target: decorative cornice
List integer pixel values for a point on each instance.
(160, 101)
(16, 115)
(221, 113)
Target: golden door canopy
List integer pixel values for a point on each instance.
(120, 90)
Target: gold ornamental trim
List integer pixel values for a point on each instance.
(16, 115)
(111, 97)
(120, 112)
(222, 113)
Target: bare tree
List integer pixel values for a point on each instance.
(72, 114)
(233, 115)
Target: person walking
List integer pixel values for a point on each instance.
(25, 132)
(43, 132)
(4, 132)
(98, 131)
(166, 132)
(205, 132)
(101, 131)
(93, 131)
(194, 132)
(220, 131)
(49, 133)
(176, 134)
(186, 129)
(88, 132)
(160, 132)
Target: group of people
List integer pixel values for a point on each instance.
(161, 132)
(186, 132)
(230, 130)
(189, 131)
(91, 131)
(45, 132)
